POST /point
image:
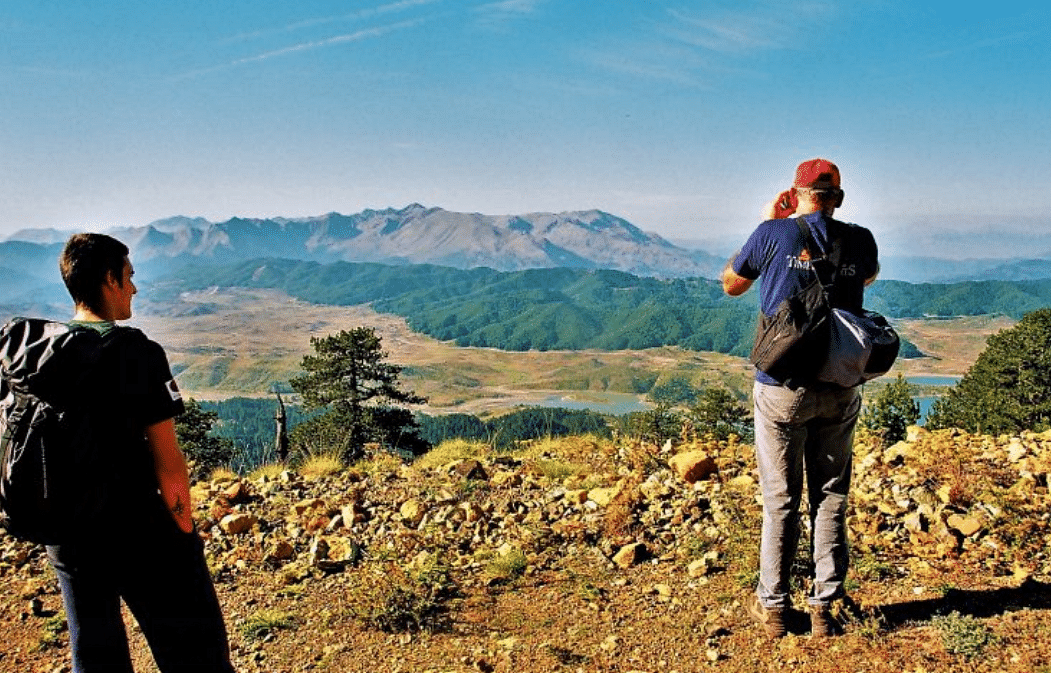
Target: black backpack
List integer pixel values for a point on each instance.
(792, 344)
(808, 340)
(51, 478)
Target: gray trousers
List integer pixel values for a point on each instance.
(801, 431)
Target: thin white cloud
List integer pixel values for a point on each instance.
(646, 64)
(687, 47)
(356, 36)
(511, 6)
(496, 14)
(359, 15)
(734, 33)
(987, 43)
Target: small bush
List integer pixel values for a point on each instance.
(265, 622)
(871, 568)
(621, 514)
(963, 635)
(891, 413)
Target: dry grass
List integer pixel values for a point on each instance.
(451, 451)
(222, 474)
(380, 463)
(247, 339)
(269, 471)
(952, 344)
(321, 466)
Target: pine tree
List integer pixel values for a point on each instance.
(1008, 389)
(892, 411)
(192, 429)
(719, 414)
(350, 377)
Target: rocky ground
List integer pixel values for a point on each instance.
(590, 555)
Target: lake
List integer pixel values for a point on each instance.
(926, 401)
(618, 404)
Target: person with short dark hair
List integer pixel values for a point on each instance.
(803, 426)
(141, 547)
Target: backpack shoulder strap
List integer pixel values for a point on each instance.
(825, 265)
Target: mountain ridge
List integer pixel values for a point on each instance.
(418, 234)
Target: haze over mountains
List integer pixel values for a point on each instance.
(416, 234)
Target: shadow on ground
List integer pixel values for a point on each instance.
(1031, 594)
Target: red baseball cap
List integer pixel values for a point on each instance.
(817, 174)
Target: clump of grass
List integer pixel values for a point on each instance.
(220, 474)
(952, 467)
(50, 633)
(451, 451)
(963, 635)
(696, 546)
(264, 622)
(321, 465)
(379, 464)
(558, 470)
(394, 599)
(507, 567)
(269, 471)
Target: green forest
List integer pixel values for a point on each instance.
(546, 309)
(572, 309)
(249, 423)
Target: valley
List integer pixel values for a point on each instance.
(237, 342)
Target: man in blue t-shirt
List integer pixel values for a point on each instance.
(802, 425)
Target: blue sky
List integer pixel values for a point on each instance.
(683, 117)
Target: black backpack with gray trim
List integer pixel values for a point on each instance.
(51, 478)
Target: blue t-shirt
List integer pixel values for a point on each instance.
(776, 255)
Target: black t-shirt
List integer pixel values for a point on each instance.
(135, 389)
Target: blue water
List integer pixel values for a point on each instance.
(616, 404)
(933, 380)
(926, 402)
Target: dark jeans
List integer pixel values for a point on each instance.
(161, 574)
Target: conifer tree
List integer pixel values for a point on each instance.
(1008, 389)
(193, 430)
(719, 414)
(350, 377)
(892, 411)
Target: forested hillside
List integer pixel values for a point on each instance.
(917, 300)
(542, 309)
(571, 309)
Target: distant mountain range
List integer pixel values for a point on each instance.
(416, 234)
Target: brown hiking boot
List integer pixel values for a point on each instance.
(771, 619)
(822, 623)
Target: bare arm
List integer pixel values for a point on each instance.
(733, 284)
(172, 474)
